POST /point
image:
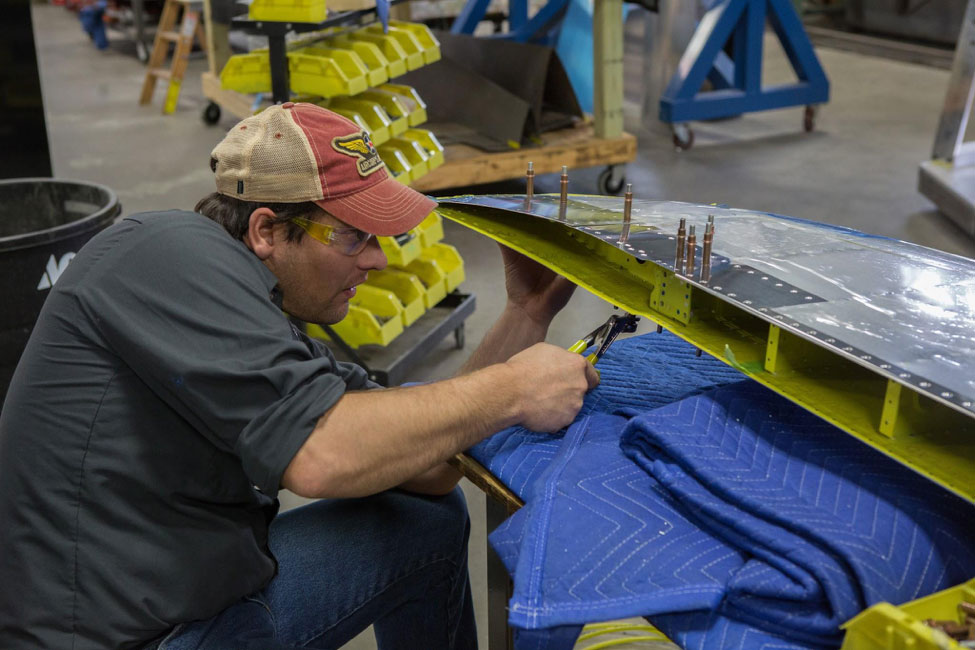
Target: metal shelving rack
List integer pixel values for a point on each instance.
(603, 142)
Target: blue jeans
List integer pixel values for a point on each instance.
(395, 560)
(93, 22)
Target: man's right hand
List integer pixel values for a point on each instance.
(553, 382)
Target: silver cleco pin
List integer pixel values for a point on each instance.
(681, 234)
(627, 212)
(529, 186)
(564, 196)
(706, 251)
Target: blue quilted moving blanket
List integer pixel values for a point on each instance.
(731, 518)
(640, 372)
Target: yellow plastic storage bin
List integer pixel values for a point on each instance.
(397, 163)
(415, 153)
(886, 627)
(359, 120)
(374, 115)
(288, 11)
(370, 54)
(363, 105)
(394, 106)
(407, 287)
(429, 142)
(362, 327)
(434, 279)
(401, 249)
(326, 72)
(407, 41)
(449, 261)
(423, 35)
(381, 302)
(418, 108)
(247, 73)
(430, 230)
(388, 46)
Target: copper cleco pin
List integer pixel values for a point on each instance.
(691, 248)
(706, 252)
(529, 186)
(627, 211)
(681, 233)
(564, 196)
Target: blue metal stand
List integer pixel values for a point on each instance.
(737, 80)
(542, 28)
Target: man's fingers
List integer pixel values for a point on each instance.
(592, 376)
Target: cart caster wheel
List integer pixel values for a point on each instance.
(459, 338)
(683, 137)
(809, 119)
(211, 114)
(609, 183)
(141, 51)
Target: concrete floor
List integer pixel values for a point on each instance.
(857, 169)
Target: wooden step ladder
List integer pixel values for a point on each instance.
(166, 33)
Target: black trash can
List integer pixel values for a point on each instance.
(43, 223)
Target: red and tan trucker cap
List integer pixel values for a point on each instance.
(291, 153)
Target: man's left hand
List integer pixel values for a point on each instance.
(534, 289)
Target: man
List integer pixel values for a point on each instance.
(165, 397)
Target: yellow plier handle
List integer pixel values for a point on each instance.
(604, 335)
(581, 346)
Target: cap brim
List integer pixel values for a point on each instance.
(385, 209)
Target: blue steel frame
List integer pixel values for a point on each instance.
(737, 80)
(538, 29)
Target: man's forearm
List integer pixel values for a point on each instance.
(352, 453)
(439, 479)
(510, 334)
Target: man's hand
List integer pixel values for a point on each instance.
(554, 382)
(534, 289)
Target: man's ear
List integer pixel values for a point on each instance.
(262, 233)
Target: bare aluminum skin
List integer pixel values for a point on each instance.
(903, 310)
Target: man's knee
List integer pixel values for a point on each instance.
(446, 518)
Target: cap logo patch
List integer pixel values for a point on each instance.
(358, 145)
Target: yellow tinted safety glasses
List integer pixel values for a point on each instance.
(350, 241)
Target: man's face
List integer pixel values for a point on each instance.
(318, 279)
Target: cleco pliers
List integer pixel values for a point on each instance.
(604, 335)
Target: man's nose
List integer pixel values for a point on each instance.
(373, 257)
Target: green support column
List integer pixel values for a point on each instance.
(607, 60)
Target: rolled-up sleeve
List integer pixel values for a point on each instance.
(188, 310)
